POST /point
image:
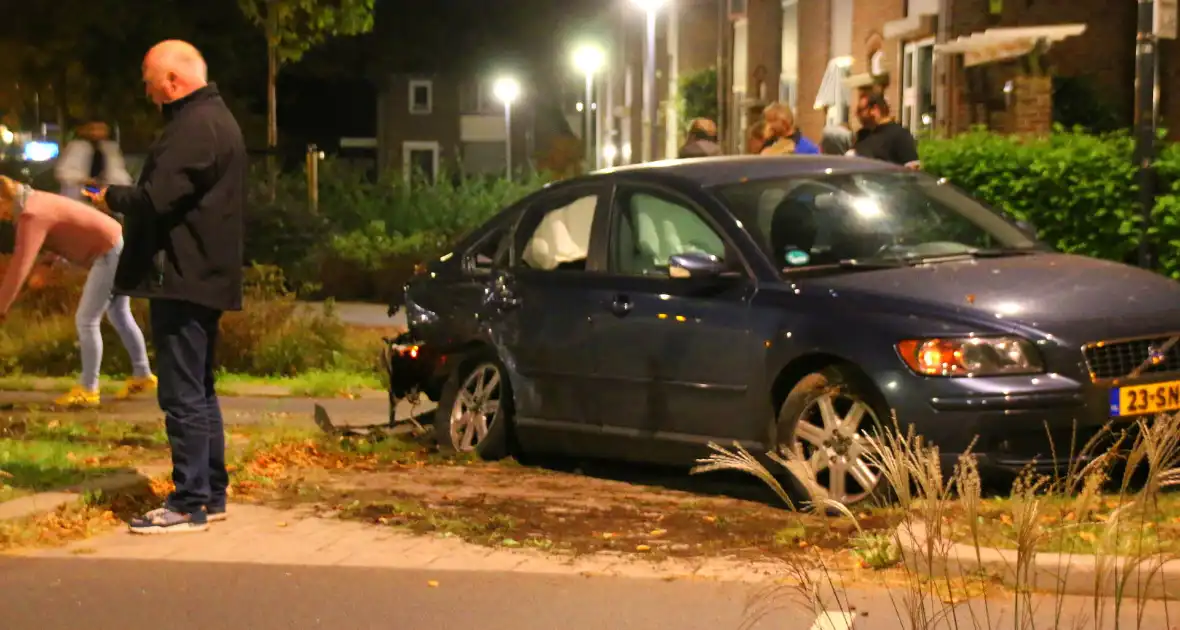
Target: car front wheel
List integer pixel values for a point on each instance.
(475, 409)
(826, 422)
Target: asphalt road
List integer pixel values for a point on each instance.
(236, 409)
(46, 594)
(364, 314)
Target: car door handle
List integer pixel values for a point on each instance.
(621, 305)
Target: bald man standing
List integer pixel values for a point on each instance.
(184, 254)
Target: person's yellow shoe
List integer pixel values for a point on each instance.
(78, 398)
(138, 385)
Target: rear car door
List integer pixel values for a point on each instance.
(675, 355)
(541, 305)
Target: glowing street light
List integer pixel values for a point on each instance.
(650, 7)
(507, 90)
(589, 59)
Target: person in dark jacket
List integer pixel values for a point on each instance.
(184, 251)
(702, 140)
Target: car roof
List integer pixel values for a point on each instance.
(733, 169)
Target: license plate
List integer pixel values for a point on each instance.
(1138, 400)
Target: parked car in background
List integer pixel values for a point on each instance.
(789, 302)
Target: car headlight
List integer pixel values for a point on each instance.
(971, 356)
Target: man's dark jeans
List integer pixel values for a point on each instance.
(185, 335)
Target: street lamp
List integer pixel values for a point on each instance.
(650, 7)
(589, 59)
(507, 90)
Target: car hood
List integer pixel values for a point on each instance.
(1066, 296)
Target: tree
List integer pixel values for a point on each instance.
(699, 94)
(292, 27)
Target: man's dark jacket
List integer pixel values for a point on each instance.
(184, 217)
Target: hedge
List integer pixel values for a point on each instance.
(1079, 190)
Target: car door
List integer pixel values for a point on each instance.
(541, 306)
(675, 355)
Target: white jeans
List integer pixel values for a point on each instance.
(96, 300)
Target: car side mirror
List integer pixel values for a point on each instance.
(695, 265)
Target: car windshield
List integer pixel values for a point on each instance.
(868, 218)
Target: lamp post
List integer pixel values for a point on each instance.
(650, 7)
(506, 90)
(589, 59)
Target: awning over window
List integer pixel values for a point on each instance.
(999, 44)
(832, 91)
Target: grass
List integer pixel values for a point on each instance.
(31, 466)
(1111, 502)
(313, 384)
(41, 453)
(1065, 530)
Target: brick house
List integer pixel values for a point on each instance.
(947, 65)
(452, 122)
(944, 65)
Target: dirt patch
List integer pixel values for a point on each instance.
(517, 506)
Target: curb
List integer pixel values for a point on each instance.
(1066, 574)
(43, 502)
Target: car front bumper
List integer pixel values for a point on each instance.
(1010, 423)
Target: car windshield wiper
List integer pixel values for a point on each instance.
(851, 264)
(975, 253)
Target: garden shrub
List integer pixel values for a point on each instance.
(1079, 190)
(271, 336)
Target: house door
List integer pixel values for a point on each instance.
(917, 88)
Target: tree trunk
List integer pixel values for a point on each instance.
(272, 108)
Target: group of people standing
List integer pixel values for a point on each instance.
(174, 237)
(880, 137)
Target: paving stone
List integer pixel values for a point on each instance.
(256, 534)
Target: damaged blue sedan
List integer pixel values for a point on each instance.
(641, 312)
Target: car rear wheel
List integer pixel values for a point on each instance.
(827, 421)
(476, 409)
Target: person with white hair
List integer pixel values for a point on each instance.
(184, 253)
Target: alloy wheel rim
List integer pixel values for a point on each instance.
(476, 408)
(838, 453)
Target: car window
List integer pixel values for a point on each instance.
(650, 229)
(491, 251)
(826, 219)
(557, 233)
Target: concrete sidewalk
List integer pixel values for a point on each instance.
(263, 535)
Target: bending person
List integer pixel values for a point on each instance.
(86, 237)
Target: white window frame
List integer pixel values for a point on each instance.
(414, 85)
(911, 82)
(409, 146)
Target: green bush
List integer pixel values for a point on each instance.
(271, 336)
(367, 234)
(1079, 190)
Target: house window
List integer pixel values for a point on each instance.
(917, 88)
(421, 96)
(420, 160)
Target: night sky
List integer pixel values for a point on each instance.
(330, 93)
